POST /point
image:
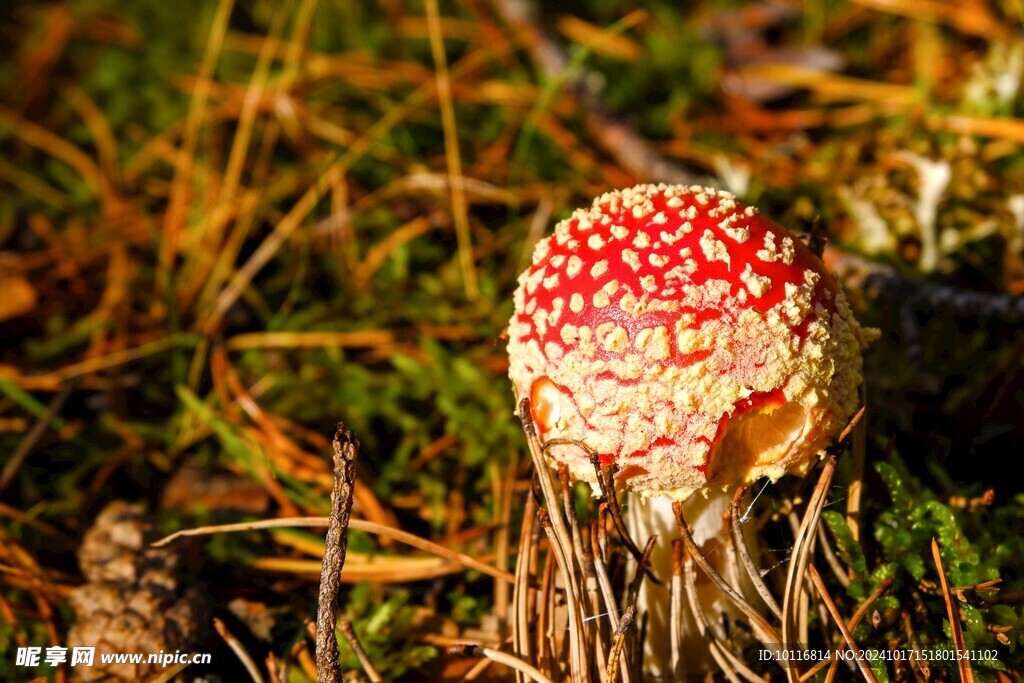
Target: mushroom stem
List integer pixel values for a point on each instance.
(704, 517)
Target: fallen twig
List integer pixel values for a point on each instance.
(346, 449)
(885, 282)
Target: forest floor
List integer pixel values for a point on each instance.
(225, 228)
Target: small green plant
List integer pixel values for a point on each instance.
(911, 613)
(383, 629)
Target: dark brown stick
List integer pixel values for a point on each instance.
(884, 282)
(346, 449)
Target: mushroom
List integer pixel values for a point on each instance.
(689, 340)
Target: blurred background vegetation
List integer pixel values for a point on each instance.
(226, 226)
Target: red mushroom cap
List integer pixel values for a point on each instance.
(685, 337)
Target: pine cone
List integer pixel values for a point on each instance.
(134, 599)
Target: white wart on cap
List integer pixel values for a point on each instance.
(685, 337)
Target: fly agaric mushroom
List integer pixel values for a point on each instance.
(689, 340)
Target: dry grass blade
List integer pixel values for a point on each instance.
(30, 521)
(480, 667)
(451, 149)
(98, 125)
(59, 148)
(831, 86)
(239, 650)
(94, 365)
(357, 524)
(833, 662)
(987, 126)
(920, 662)
(854, 421)
(364, 567)
(178, 205)
(611, 604)
(972, 18)
(765, 631)
(300, 211)
(309, 340)
(855, 488)
(629, 149)
(525, 569)
(561, 541)
(847, 636)
(32, 186)
(638, 578)
(830, 558)
(377, 255)
(578, 550)
(38, 429)
(718, 653)
(963, 663)
(500, 657)
(800, 560)
(736, 529)
(345, 626)
(544, 477)
(616, 654)
(605, 477)
(546, 602)
(233, 203)
(573, 603)
(598, 632)
(603, 580)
